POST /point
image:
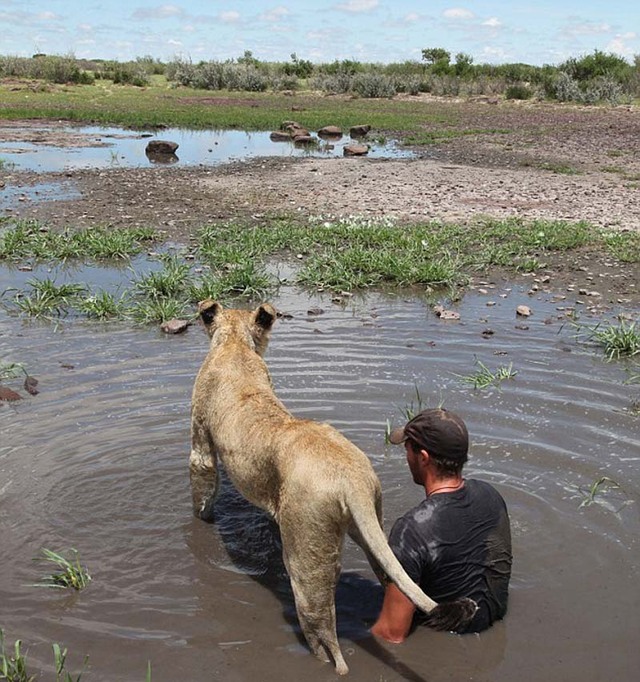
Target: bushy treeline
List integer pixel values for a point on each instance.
(597, 77)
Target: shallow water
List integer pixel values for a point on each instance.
(98, 461)
(107, 147)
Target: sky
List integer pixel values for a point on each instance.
(383, 31)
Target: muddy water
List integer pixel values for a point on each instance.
(98, 461)
(111, 147)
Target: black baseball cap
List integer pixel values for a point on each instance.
(441, 433)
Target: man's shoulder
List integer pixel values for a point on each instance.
(485, 492)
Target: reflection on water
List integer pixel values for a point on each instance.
(120, 148)
(98, 461)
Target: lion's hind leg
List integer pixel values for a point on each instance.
(203, 471)
(313, 571)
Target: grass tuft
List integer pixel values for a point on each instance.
(71, 574)
(484, 377)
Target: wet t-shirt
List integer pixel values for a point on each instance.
(458, 544)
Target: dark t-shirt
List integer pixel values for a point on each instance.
(458, 544)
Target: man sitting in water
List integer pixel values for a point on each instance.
(456, 542)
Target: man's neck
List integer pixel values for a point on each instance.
(443, 485)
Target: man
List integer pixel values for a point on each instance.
(457, 542)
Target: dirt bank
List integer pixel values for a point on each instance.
(528, 160)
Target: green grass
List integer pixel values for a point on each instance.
(340, 254)
(13, 668)
(429, 137)
(484, 377)
(169, 282)
(154, 310)
(48, 299)
(11, 370)
(29, 239)
(617, 340)
(597, 488)
(160, 104)
(103, 305)
(70, 574)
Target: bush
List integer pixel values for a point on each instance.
(519, 91)
(373, 85)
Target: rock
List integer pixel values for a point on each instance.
(523, 311)
(30, 384)
(280, 136)
(161, 147)
(356, 150)
(359, 131)
(294, 130)
(444, 314)
(9, 395)
(304, 139)
(315, 311)
(330, 131)
(175, 326)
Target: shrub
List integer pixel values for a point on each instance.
(373, 85)
(518, 91)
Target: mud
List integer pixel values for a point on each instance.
(98, 459)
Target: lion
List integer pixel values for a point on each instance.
(312, 480)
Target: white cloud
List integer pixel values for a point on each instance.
(492, 22)
(458, 13)
(585, 28)
(230, 17)
(276, 14)
(619, 45)
(161, 12)
(358, 6)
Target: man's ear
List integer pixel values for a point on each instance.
(265, 316)
(207, 310)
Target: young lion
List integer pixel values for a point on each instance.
(314, 482)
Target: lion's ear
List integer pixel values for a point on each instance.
(208, 309)
(265, 316)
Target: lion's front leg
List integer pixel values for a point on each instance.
(203, 472)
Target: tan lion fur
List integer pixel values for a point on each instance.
(316, 484)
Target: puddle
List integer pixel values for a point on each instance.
(98, 461)
(117, 147)
(12, 196)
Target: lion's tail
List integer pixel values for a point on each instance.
(445, 616)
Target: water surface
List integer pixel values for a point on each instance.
(98, 461)
(111, 147)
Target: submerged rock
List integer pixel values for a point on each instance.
(175, 326)
(161, 147)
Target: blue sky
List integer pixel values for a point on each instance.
(534, 32)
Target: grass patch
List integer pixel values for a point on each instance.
(29, 239)
(597, 488)
(560, 168)
(13, 668)
(48, 299)
(162, 104)
(484, 377)
(625, 246)
(155, 310)
(103, 305)
(70, 574)
(617, 340)
(429, 137)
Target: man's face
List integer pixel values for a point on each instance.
(414, 460)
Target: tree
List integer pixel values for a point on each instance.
(433, 55)
(463, 64)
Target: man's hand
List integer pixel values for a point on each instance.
(394, 621)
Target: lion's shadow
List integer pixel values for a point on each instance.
(252, 543)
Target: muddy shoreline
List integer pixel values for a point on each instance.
(515, 160)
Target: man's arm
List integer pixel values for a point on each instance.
(394, 621)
